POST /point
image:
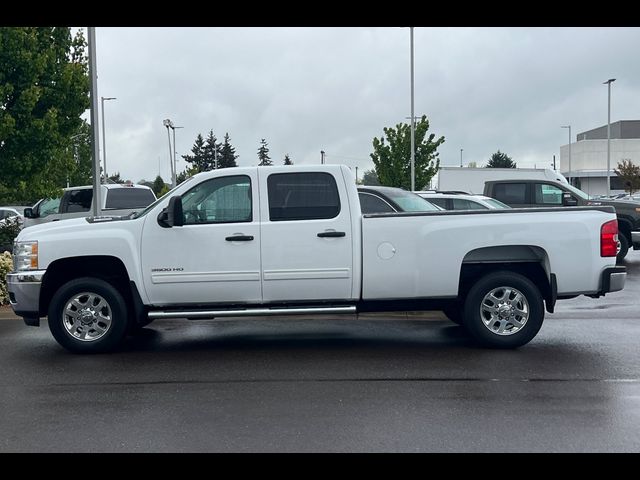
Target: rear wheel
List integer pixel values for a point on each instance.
(88, 315)
(503, 310)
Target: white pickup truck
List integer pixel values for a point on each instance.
(292, 240)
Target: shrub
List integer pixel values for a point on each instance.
(6, 265)
(9, 230)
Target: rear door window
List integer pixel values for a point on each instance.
(78, 200)
(511, 193)
(370, 203)
(302, 196)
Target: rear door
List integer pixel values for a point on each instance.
(306, 233)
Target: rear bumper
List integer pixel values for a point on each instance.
(24, 295)
(613, 279)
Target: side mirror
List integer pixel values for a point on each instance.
(28, 212)
(568, 200)
(172, 215)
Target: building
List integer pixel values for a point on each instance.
(589, 156)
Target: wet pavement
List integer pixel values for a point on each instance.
(332, 384)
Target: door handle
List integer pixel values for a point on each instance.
(239, 238)
(331, 234)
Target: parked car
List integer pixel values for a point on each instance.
(456, 201)
(10, 214)
(290, 240)
(375, 199)
(116, 199)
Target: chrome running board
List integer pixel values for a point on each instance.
(250, 312)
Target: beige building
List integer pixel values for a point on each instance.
(589, 156)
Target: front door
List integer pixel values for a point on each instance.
(307, 244)
(215, 256)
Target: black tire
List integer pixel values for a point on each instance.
(473, 317)
(116, 307)
(624, 246)
(454, 313)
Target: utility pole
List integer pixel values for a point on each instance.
(321, 157)
(413, 126)
(554, 162)
(356, 175)
(93, 92)
(609, 82)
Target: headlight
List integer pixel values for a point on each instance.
(25, 256)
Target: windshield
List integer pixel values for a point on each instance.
(410, 202)
(496, 203)
(578, 192)
(151, 207)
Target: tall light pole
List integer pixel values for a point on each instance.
(461, 157)
(104, 141)
(609, 82)
(167, 123)
(413, 126)
(175, 164)
(569, 174)
(95, 141)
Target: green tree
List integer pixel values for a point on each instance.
(472, 165)
(80, 170)
(211, 151)
(500, 160)
(44, 88)
(287, 160)
(392, 157)
(115, 178)
(630, 175)
(158, 186)
(227, 156)
(197, 160)
(263, 155)
(369, 177)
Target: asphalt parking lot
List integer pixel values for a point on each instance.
(382, 384)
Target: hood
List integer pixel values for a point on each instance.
(71, 225)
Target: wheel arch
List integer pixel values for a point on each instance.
(108, 268)
(528, 260)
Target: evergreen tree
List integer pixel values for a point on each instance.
(500, 160)
(158, 186)
(211, 151)
(197, 161)
(263, 155)
(227, 156)
(287, 160)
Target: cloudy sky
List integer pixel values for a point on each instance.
(334, 89)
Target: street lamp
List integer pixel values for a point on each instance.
(461, 157)
(175, 162)
(167, 123)
(609, 82)
(104, 141)
(569, 174)
(413, 126)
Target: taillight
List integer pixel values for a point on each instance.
(609, 239)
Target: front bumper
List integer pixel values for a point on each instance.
(613, 279)
(24, 294)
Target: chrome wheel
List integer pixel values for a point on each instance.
(87, 316)
(504, 310)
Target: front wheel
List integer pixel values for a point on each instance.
(88, 315)
(503, 310)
